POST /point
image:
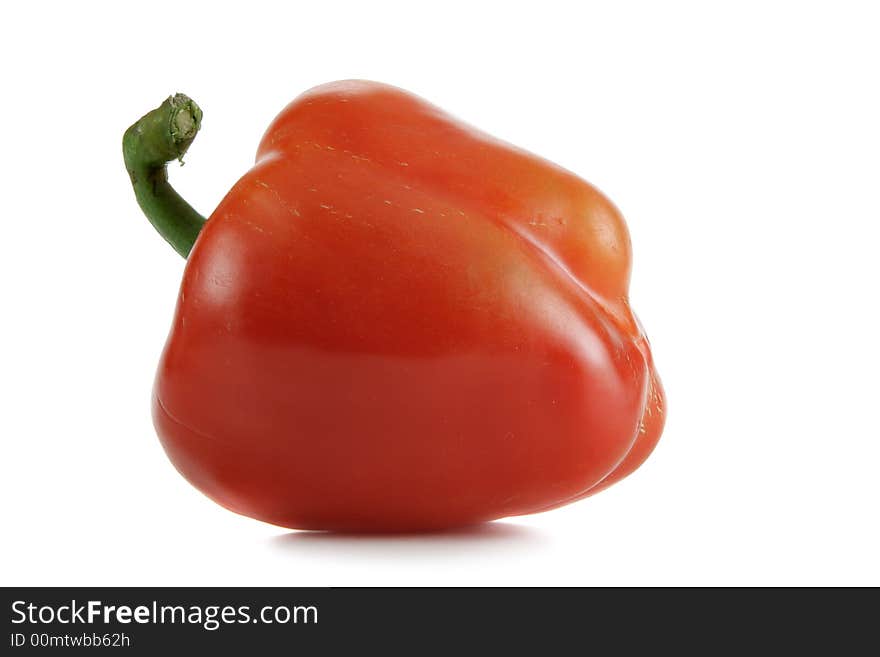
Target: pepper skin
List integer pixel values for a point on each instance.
(395, 322)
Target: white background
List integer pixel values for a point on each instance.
(742, 145)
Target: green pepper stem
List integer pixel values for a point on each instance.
(157, 138)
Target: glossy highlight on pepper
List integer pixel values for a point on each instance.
(394, 322)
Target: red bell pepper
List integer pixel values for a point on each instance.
(394, 322)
